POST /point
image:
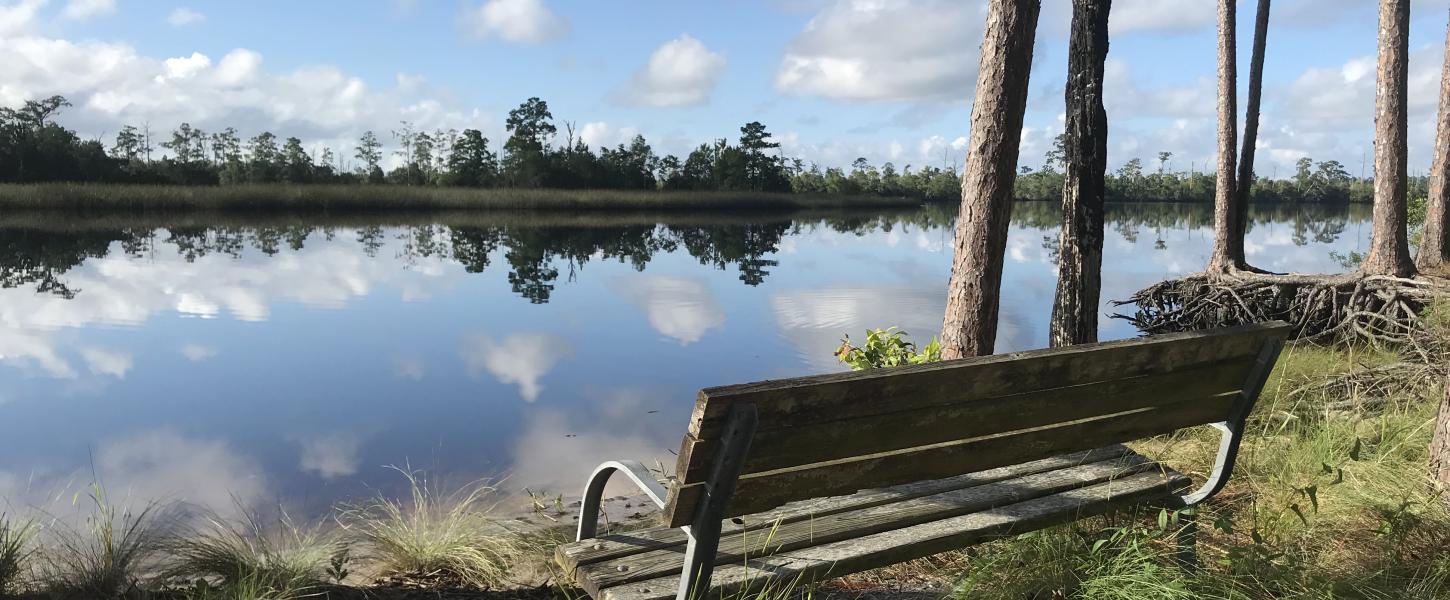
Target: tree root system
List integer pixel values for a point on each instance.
(1382, 312)
(1353, 308)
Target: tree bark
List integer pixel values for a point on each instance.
(1251, 121)
(1389, 252)
(970, 326)
(1440, 443)
(1079, 268)
(1435, 246)
(1228, 245)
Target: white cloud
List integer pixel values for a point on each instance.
(599, 133)
(679, 308)
(874, 50)
(17, 17)
(682, 72)
(183, 16)
(1161, 15)
(119, 290)
(198, 352)
(520, 358)
(107, 362)
(330, 455)
(164, 465)
(409, 366)
(85, 9)
(111, 83)
(517, 21)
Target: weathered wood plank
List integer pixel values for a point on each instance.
(761, 491)
(789, 403)
(823, 561)
(859, 523)
(838, 439)
(571, 556)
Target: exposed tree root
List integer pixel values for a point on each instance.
(1384, 312)
(1354, 308)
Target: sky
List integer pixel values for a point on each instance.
(833, 80)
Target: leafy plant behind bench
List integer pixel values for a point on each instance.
(886, 348)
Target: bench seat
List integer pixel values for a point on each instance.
(816, 539)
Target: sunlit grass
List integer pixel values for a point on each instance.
(110, 555)
(16, 548)
(247, 551)
(362, 198)
(436, 536)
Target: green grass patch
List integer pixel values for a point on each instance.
(434, 536)
(259, 198)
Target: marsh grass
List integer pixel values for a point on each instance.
(436, 536)
(16, 537)
(369, 198)
(254, 553)
(1323, 504)
(249, 588)
(108, 556)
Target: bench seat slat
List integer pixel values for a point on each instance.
(768, 539)
(762, 491)
(822, 561)
(609, 547)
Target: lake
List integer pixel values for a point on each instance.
(292, 363)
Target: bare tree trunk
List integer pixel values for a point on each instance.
(1389, 252)
(1435, 247)
(1228, 245)
(1440, 443)
(1079, 268)
(970, 327)
(1251, 121)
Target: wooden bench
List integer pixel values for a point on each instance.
(797, 480)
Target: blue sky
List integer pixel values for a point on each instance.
(833, 80)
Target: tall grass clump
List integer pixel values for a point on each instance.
(15, 552)
(254, 554)
(434, 536)
(109, 555)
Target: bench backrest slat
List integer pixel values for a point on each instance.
(839, 433)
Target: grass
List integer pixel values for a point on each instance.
(16, 537)
(1323, 504)
(433, 536)
(108, 557)
(250, 553)
(319, 198)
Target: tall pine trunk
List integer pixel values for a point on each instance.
(1228, 245)
(1389, 252)
(970, 327)
(1435, 247)
(1440, 443)
(1079, 268)
(1251, 121)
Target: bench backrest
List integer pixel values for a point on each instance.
(839, 433)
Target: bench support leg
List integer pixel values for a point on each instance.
(704, 532)
(1187, 539)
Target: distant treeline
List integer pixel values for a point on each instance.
(34, 148)
(1313, 181)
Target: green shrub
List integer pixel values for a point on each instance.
(886, 348)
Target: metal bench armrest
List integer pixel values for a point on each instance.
(1232, 433)
(1232, 430)
(594, 492)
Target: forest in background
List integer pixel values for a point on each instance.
(35, 148)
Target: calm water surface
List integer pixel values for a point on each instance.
(292, 365)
